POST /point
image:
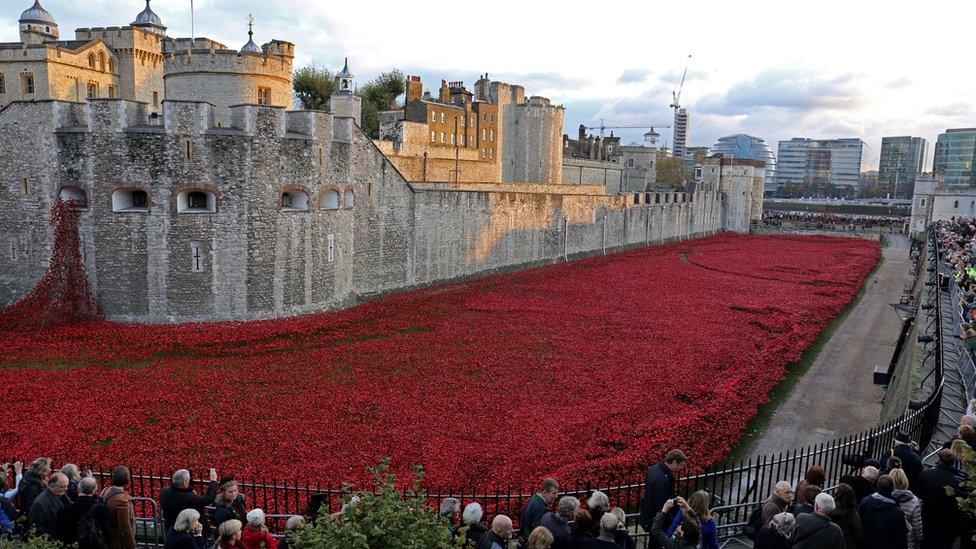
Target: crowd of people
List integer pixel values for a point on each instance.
(830, 221)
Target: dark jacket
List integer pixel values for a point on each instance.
(534, 509)
(227, 511)
(30, 487)
(71, 515)
(657, 533)
(911, 463)
(940, 513)
(9, 510)
(183, 540)
(174, 499)
(769, 538)
(597, 543)
(623, 539)
(658, 489)
(563, 536)
(883, 522)
(44, 513)
(862, 486)
(816, 532)
(850, 524)
(476, 531)
(492, 541)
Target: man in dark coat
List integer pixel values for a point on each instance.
(44, 511)
(815, 530)
(940, 511)
(659, 488)
(882, 519)
(558, 523)
(179, 496)
(863, 484)
(911, 462)
(498, 536)
(537, 506)
(71, 515)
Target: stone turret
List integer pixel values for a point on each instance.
(37, 25)
(343, 103)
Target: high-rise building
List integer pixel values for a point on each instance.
(955, 157)
(902, 158)
(820, 162)
(749, 147)
(681, 122)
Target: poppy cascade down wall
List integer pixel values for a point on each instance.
(283, 213)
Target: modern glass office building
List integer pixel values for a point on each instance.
(750, 147)
(955, 156)
(820, 162)
(902, 159)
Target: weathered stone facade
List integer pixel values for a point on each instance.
(219, 239)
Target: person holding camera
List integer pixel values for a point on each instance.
(696, 508)
(685, 537)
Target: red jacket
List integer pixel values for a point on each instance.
(256, 538)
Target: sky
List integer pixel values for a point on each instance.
(772, 69)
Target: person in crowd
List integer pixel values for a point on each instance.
(187, 531)
(537, 506)
(70, 517)
(540, 538)
(863, 484)
(815, 530)
(10, 513)
(845, 515)
(685, 537)
(776, 534)
(450, 508)
(582, 528)
(229, 535)
(291, 525)
(906, 450)
(122, 517)
(18, 467)
(966, 434)
(499, 535)
(179, 495)
(598, 503)
(967, 419)
(894, 462)
(910, 506)
(660, 487)
(44, 510)
(778, 501)
(608, 529)
(882, 519)
(940, 511)
(33, 483)
(229, 503)
(255, 534)
(558, 522)
(472, 519)
(810, 492)
(622, 536)
(815, 476)
(696, 507)
(71, 471)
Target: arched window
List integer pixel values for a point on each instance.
(294, 200)
(196, 201)
(348, 198)
(330, 200)
(101, 61)
(111, 65)
(76, 197)
(130, 200)
(923, 202)
(91, 60)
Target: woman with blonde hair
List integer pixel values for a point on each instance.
(910, 506)
(229, 535)
(187, 532)
(540, 538)
(696, 507)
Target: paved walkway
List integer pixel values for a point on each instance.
(837, 395)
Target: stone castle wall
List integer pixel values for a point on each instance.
(580, 171)
(258, 259)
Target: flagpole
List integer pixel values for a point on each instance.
(192, 33)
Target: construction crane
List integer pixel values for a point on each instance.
(603, 126)
(676, 94)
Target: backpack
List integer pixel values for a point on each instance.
(755, 522)
(92, 533)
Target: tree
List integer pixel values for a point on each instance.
(313, 86)
(378, 95)
(671, 172)
(385, 518)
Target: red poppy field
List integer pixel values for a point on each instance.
(576, 371)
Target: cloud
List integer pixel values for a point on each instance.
(900, 83)
(633, 76)
(674, 77)
(951, 110)
(795, 90)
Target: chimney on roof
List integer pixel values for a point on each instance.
(415, 89)
(445, 92)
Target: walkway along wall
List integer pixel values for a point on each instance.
(349, 227)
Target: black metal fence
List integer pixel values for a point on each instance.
(735, 487)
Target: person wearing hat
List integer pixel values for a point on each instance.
(255, 534)
(906, 450)
(229, 503)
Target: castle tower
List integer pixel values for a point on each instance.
(149, 21)
(343, 103)
(250, 47)
(37, 25)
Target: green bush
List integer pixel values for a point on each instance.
(386, 518)
(39, 542)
